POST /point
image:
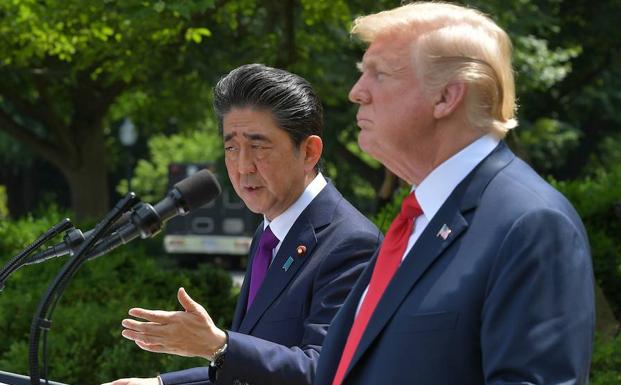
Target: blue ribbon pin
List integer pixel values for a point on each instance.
(287, 264)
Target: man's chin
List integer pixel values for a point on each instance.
(254, 210)
(252, 204)
(365, 144)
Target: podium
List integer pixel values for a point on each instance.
(7, 378)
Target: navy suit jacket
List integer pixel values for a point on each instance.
(278, 341)
(506, 298)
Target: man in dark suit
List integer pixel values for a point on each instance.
(306, 256)
(485, 275)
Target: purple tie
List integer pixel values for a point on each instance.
(261, 262)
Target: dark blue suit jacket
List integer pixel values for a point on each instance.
(506, 298)
(278, 341)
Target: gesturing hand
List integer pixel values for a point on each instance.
(135, 381)
(186, 333)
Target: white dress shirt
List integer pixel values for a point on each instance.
(281, 225)
(433, 191)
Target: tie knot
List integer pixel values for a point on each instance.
(410, 207)
(268, 239)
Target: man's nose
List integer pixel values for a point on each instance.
(359, 93)
(245, 162)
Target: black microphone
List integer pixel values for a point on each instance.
(72, 240)
(144, 220)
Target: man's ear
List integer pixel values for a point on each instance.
(313, 146)
(451, 98)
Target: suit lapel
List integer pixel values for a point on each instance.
(426, 250)
(342, 323)
(281, 271)
(242, 300)
(277, 278)
(432, 244)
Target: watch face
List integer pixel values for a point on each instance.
(219, 361)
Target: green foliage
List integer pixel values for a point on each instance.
(16, 235)
(150, 176)
(85, 345)
(70, 69)
(4, 210)
(547, 142)
(385, 216)
(157, 60)
(608, 153)
(595, 198)
(101, 34)
(606, 364)
(538, 66)
(13, 153)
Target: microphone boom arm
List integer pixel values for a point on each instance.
(42, 318)
(18, 261)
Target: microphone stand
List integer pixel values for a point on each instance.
(18, 261)
(41, 322)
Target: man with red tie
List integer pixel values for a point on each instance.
(485, 276)
(305, 256)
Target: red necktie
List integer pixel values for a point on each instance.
(388, 261)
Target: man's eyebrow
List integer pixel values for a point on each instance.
(376, 64)
(256, 137)
(230, 136)
(370, 63)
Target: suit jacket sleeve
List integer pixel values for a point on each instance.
(531, 333)
(257, 361)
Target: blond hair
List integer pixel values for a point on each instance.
(455, 44)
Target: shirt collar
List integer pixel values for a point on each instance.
(282, 224)
(433, 191)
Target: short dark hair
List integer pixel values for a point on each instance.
(290, 98)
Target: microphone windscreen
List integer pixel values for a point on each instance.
(198, 189)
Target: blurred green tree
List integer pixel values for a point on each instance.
(71, 70)
(65, 64)
(4, 210)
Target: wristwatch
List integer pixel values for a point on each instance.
(217, 360)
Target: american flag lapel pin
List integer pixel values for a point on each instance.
(444, 232)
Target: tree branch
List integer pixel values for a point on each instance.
(573, 85)
(25, 136)
(26, 108)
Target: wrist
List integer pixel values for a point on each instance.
(220, 344)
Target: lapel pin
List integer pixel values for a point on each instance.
(301, 250)
(287, 264)
(444, 232)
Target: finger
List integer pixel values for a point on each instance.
(188, 303)
(154, 348)
(159, 316)
(142, 337)
(138, 326)
(134, 381)
(162, 349)
(122, 381)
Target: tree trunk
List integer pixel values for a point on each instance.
(89, 192)
(87, 178)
